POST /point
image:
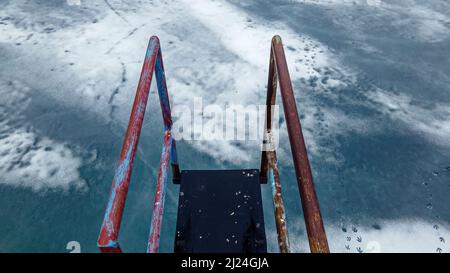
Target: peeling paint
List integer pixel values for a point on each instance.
(109, 232)
(161, 185)
(278, 73)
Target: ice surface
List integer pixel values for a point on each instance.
(371, 80)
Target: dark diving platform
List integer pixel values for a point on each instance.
(220, 211)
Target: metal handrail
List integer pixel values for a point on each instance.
(314, 225)
(108, 239)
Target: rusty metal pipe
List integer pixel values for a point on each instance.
(269, 162)
(313, 219)
(280, 215)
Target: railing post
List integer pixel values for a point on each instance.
(166, 112)
(269, 161)
(160, 194)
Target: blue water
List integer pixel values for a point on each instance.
(386, 164)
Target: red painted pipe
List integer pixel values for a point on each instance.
(107, 241)
(161, 185)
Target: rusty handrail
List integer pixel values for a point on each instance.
(313, 219)
(108, 238)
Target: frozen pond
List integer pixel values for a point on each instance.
(372, 83)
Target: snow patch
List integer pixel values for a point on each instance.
(26, 159)
(393, 236)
